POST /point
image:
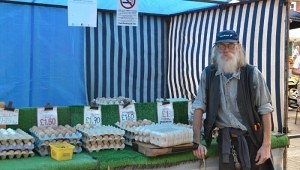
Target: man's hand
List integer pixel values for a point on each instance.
(200, 152)
(263, 154)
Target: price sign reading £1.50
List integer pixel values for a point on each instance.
(128, 113)
(92, 116)
(47, 117)
(165, 112)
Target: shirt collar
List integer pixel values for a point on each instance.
(234, 75)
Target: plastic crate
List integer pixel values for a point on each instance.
(61, 151)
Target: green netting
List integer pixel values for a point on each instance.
(63, 115)
(180, 112)
(110, 114)
(146, 111)
(76, 113)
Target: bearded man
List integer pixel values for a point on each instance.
(236, 100)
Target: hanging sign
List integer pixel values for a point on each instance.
(92, 116)
(82, 13)
(8, 117)
(47, 117)
(165, 112)
(127, 13)
(127, 113)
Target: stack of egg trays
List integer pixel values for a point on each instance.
(129, 136)
(17, 145)
(106, 141)
(42, 146)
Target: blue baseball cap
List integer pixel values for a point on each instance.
(227, 36)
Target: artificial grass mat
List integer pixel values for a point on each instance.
(79, 162)
(130, 158)
(118, 159)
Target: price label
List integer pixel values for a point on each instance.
(92, 116)
(128, 113)
(165, 113)
(47, 117)
(9, 117)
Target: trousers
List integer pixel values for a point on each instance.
(267, 165)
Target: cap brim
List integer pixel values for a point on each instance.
(230, 41)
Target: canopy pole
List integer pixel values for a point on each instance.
(287, 61)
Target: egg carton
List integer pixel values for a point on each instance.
(61, 140)
(43, 150)
(91, 147)
(16, 154)
(112, 101)
(16, 147)
(74, 135)
(14, 137)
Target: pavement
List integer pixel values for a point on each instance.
(293, 151)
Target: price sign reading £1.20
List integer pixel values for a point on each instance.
(128, 113)
(92, 116)
(9, 117)
(47, 117)
(165, 112)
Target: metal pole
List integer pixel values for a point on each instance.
(287, 62)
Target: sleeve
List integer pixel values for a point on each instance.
(200, 101)
(297, 63)
(263, 99)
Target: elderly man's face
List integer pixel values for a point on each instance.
(226, 49)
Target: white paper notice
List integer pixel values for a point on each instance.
(92, 116)
(82, 13)
(47, 117)
(127, 13)
(165, 112)
(128, 113)
(9, 117)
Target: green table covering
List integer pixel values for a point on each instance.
(79, 162)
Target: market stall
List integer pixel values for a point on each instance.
(120, 158)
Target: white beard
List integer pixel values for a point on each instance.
(229, 66)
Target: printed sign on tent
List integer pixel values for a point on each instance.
(92, 116)
(9, 117)
(82, 13)
(47, 117)
(127, 13)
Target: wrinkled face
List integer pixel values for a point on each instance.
(227, 57)
(226, 50)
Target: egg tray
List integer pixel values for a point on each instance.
(16, 147)
(16, 154)
(39, 143)
(47, 150)
(75, 135)
(97, 147)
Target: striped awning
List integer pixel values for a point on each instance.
(261, 26)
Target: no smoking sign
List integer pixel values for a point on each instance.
(127, 4)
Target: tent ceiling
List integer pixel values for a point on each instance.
(160, 7)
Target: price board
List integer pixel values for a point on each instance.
(127, 113)
(92, 116)
(9, 117)
(47, 117)
(165, 112)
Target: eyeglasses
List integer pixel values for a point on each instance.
(224, 46)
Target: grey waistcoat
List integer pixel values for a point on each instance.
(245, 101)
